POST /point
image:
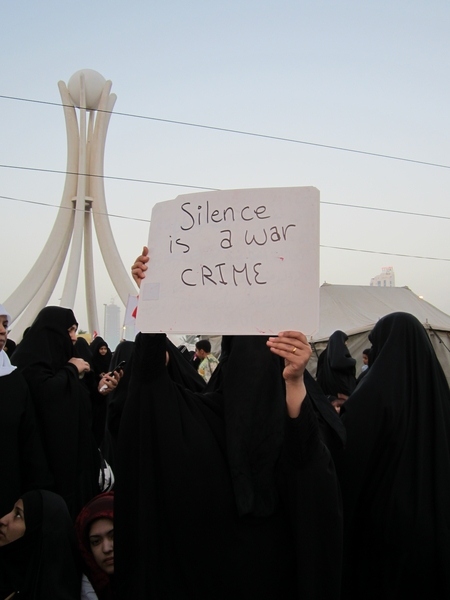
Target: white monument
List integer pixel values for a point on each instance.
(83, 201)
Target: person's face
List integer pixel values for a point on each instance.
(73, 333)
(3, 331)
(103, 350)
(200, 354)
(101, 539)
(365, 359)
(12, 525)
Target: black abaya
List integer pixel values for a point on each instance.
(116, 401)
(336, 369)
(395, 471)
(179, 530)
(23, 465)
(62, 406)
(181, 371)
(90, 381)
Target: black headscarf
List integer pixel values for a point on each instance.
(336, 373)
(10, 346)
(83, 350)
(62, 405)
(218, 517)
(395, 472)
(43, 563)
(100, 361)
(47, 340)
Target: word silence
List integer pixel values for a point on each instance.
(200, 216)
(238, 249)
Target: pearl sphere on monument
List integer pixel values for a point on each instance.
(94, 84)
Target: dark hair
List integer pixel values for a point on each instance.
(367, 351)
(204, 345)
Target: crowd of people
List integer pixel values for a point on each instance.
(150, 473)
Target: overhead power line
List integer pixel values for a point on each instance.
(108, 214)
(388, 210)
(246, 133)
(321, 245)
(199, 187)
(238, 132)
(112, 177)
(385, 253)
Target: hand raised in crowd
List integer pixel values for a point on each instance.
(82, 366)
(293, 346)
(140, 266)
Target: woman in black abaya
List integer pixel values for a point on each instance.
(180, 371)
(230, 494)
(116, 401)
(101, 356)
(45, 358)
(336, 369)
(90, 381)
(38, 559)
(227, 494)
(23, 465)
(395, 471)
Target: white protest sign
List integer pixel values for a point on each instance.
(233, 262)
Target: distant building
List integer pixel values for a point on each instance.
(112, 334)
(385, 279)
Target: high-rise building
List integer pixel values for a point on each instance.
(112, 333)
(385, 279)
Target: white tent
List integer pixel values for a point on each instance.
(355, 309)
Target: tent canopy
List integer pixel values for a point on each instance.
(355, 309)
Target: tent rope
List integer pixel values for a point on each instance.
(441, 341)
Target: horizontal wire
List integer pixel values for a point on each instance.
(385, 253)
(77, 209)
(321, 245)
(340, 204)
(239, 132)
(389, 210)
(242, 132)
(59, 172)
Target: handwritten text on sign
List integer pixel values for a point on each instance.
(238, 261)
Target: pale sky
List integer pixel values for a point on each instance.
(372, 77)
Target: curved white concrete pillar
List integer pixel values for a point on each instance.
(71, 283)
(116, 270)
(91, 303)
(62, 229)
